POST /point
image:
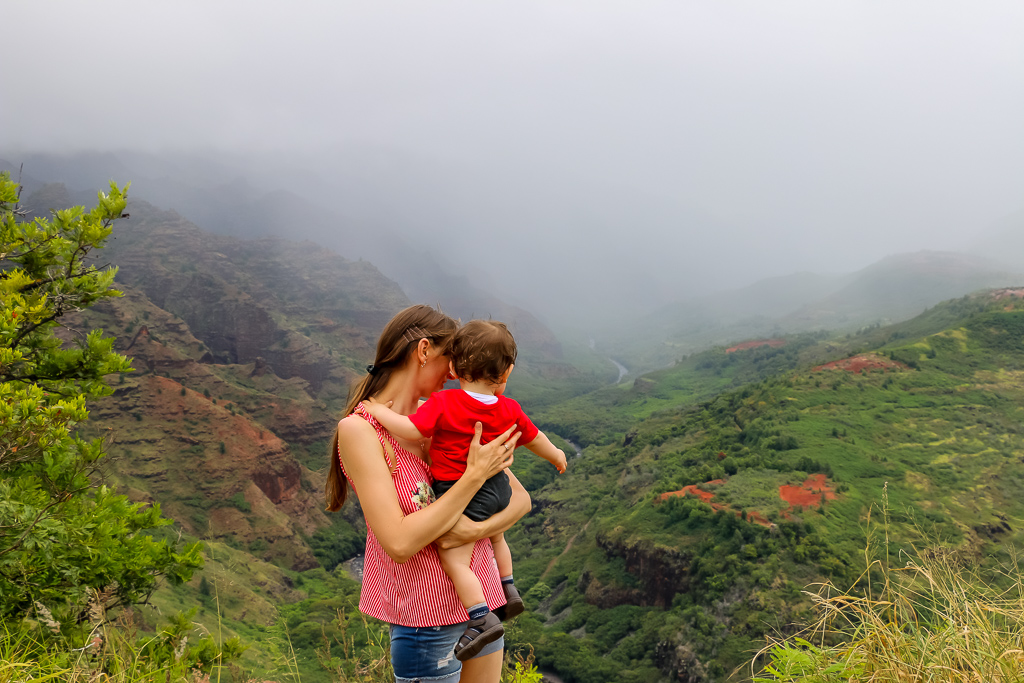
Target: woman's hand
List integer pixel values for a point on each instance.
(465, 531)
(485, 461)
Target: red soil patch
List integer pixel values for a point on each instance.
(774, 343)
(758, 518)
(862, 363)
(706, 496)
(1004, 293)
(807, 494)
(692, 489)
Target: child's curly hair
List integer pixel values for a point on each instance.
(483, 349)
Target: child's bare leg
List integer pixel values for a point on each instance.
(502, 555)
(483, 626)
(455, 562)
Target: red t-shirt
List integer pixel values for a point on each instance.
(448, 418)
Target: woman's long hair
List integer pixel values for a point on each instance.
(396, 343)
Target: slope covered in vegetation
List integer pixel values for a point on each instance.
(707, 495)
(629, 584)
(243, 352)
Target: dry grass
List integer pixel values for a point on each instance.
(935, 618)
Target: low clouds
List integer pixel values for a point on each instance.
(676, 144)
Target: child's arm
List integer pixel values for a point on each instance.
(399, 425)
(542, 446)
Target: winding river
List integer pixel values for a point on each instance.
(623, 370)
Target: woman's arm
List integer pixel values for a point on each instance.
(401, 535)
(468, 531)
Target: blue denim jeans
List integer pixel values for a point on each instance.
(425, 654)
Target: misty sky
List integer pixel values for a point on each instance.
(670, 143)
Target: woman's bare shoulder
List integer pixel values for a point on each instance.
(360, 448)
(354, 428)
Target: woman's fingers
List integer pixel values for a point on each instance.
(495, 455)
(510, 442)
(463, 532)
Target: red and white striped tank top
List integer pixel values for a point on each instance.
(418, 592)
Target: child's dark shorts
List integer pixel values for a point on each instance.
(493, 496)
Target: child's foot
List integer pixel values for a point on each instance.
(513, 606)
(479, 632)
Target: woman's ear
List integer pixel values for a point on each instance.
(451, 370)
(422, 346)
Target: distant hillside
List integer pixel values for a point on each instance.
(211, 195)
(1004, 240)
(896, 288)
(689, 526)
(244, 352)
(900, 287)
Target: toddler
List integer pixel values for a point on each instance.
(482, 357)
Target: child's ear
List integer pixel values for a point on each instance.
(504, 378)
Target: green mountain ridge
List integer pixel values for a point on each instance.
(895, 288)
(629, 584)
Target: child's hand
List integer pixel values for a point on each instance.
(375, 409)
(559, 462)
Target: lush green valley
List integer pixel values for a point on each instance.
(633, 581)
(628, 581)
(705, 498)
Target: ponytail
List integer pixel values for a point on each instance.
(397, 342)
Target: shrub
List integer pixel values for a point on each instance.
(63, 539)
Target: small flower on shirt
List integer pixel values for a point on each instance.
(422, 495)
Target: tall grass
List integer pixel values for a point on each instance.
(112, 653)
(109, 648)
(935, 618)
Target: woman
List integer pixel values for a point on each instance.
(403, 583)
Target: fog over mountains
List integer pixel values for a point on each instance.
(582, 161)
(636, 318)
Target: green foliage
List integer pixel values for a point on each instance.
(945, 435)
(799, 660)
(336, 543)
(63, 539)
(239, 502)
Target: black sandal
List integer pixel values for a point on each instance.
(479, 632)
(513, 606)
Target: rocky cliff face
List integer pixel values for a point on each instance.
(661, 573)
(217, 470)
(307, 312)
(243, 354)
(680, 663)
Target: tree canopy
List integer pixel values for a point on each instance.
(65, 540)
